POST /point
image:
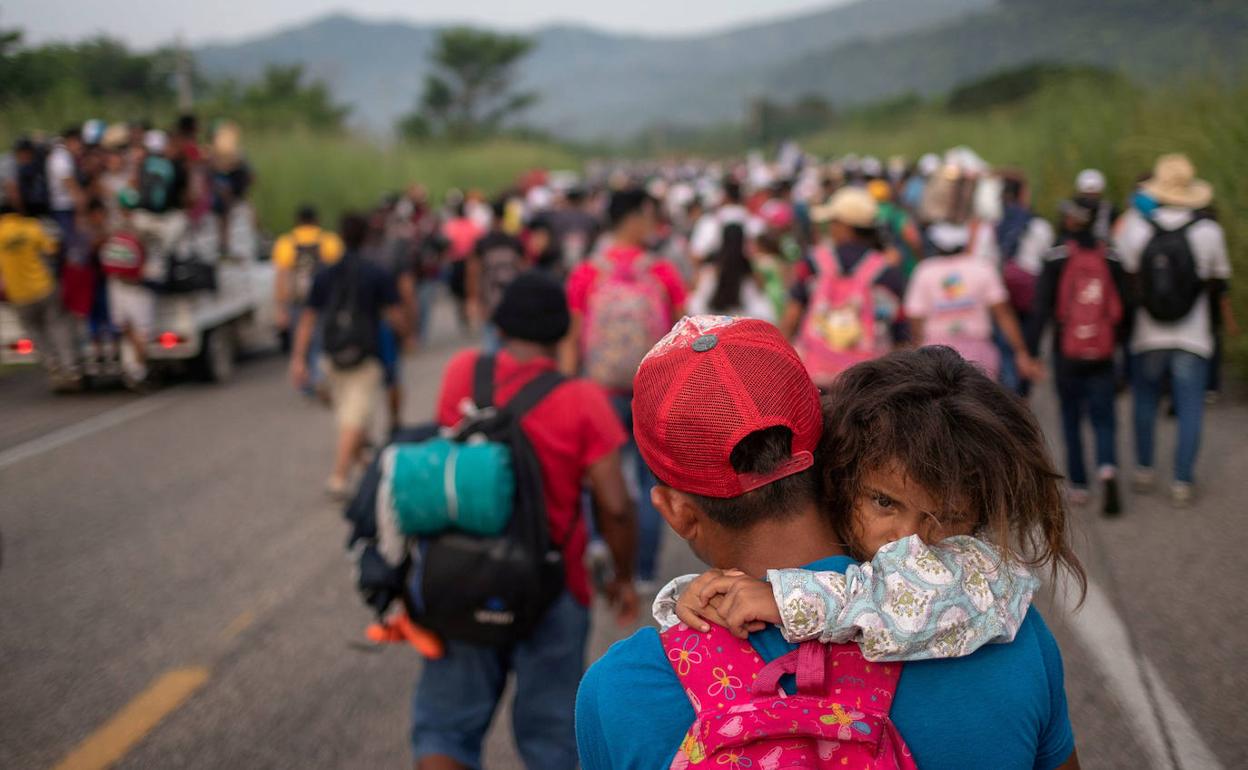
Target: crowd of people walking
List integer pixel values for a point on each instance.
(920, 301)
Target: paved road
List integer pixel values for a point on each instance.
(186, 532)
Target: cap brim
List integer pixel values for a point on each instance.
(799, 462)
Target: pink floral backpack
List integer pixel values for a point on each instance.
(837, 719)
(840, 326)
(628, 312)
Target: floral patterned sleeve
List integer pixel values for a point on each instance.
(911, 602)
(664, 607)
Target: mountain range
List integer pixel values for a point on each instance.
(594, 84)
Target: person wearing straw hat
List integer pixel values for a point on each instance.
(1178, 258)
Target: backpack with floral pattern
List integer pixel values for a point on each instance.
(838, 717)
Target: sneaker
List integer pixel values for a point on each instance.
(1144, 480)
(1181, 494)
(1077, 496)
(1112, 505)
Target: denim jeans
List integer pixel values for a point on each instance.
(456, 695)
(649, 522)
(1009, 376)
(1189, 374)
(426, 296)
(1092, 395)
(313, 360)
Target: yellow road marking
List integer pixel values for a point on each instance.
(114, 738)
(238, 625)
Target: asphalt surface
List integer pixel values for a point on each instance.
(188, 528)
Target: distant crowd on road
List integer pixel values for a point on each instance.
(98, 219)
(898, 518)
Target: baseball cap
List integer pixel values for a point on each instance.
(712, 381)
(1090, 181)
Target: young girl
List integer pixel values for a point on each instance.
(940, 478)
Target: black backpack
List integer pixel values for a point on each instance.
(32, 186)
(157, 179)
(350, 335)
(307, 264)
(1169, 283)
(490, 591)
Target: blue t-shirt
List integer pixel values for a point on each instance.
(1002, 707)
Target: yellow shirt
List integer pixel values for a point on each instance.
(23, 244)
(303, 235)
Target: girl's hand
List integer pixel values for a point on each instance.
(731, 599)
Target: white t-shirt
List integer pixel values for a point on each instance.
(753, 304)
(60, 167)
(1037, 240)
(1194, 332)
(709, 231)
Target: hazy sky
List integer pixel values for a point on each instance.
(149, 22)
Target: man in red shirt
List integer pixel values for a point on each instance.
(577, 438)
(631, 214)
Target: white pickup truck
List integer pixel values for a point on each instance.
(204, 330)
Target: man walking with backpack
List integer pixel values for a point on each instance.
(1081, 290)
(1178, 260)
(297, 257)
(576, 438)
(623, 301)
(347, 301)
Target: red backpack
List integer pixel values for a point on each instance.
(1088, 306)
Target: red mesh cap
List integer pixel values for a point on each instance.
(712, 381)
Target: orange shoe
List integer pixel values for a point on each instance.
(399, 628)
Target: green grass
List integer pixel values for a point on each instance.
(1069, 126)
(337, 173)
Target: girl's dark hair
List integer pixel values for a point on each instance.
(973, 446)
(733, 267)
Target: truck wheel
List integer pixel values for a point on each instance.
(216, 359)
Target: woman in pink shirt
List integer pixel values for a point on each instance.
(953, 299)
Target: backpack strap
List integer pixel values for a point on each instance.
(1183, 228)
(483, 381)
(532, 393)
(870, 268)
(713, 667)
(826, 262)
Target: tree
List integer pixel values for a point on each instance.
(280, 97)
(471, 92)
